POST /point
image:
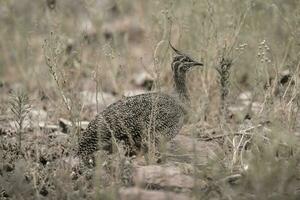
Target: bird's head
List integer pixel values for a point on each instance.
(182, 63)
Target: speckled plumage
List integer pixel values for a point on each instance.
(130, 120)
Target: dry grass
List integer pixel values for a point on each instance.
(60, 52)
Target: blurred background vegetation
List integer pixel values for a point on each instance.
(93, 32)
(120, 38)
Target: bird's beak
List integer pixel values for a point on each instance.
(194, 63)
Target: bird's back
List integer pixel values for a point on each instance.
(143, 111)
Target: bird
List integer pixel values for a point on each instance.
(131, 120)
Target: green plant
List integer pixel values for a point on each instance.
(19, 107)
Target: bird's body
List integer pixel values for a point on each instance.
(132, 121)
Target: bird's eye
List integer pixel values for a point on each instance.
(186, 59)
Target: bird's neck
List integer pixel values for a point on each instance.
(181, 89)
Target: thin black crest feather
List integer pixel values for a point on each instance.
(181, 55)
(176, 51)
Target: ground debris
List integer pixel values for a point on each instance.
(66, 125)
(162, 177)
(141, 194)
